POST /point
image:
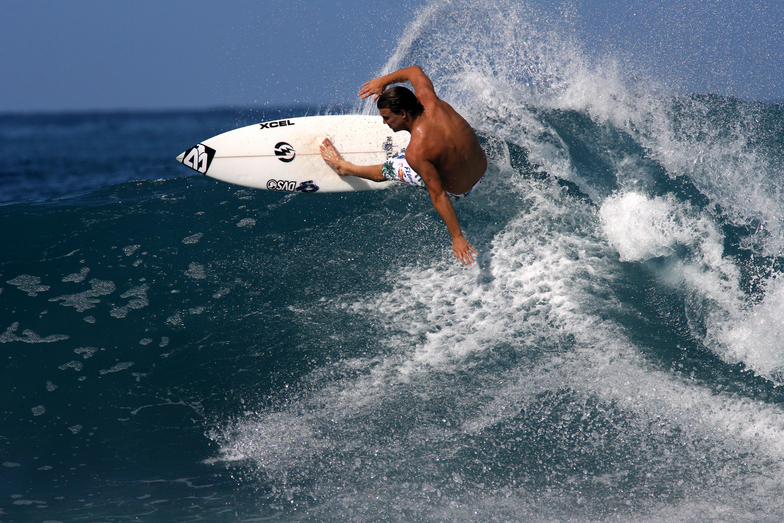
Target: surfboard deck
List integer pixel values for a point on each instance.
(283, 155)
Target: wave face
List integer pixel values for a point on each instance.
(180, 349)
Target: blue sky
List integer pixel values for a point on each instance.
(172, 54)
(115, 54)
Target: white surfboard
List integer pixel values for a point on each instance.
(283, 155)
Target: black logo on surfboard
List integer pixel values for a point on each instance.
(388, 147)
(199, 158)
(285, 152)
(291, 186)
(273, 125)
(307, 187)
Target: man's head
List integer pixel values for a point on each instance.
(398, 107)
(398, 99)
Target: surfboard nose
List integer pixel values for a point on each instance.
(181, 156)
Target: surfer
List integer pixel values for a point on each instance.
(443, 155)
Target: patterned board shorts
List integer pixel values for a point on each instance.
(397, 168)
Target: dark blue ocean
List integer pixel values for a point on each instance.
(180, 349)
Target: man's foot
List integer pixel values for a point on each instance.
(332, 156)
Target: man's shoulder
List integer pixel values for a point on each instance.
(427, 97)
(419, 149)
(415, 150)
(423, 150)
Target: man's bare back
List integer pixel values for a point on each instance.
(444, 152)
(443, 137)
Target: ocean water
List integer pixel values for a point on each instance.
(180, 349)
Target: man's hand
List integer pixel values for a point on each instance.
(373, 87)
(463, 250)
(331, 156)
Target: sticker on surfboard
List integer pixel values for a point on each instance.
(291, 186)
(285, 152)
(199, 158)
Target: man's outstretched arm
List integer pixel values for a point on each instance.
(345, 168)
(414, 74)
(443, 205)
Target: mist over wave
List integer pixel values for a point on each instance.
(623, 337)
(616, 355)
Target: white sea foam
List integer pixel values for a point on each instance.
(738, 330)
(28, 336)
(679, 138)
(77, 277)
(548, 301)
(88, 299)
(196, 271)
(641, 228)
(755, 334)
(29, 284)
(465, 352)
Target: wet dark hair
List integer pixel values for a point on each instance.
(398, 99)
